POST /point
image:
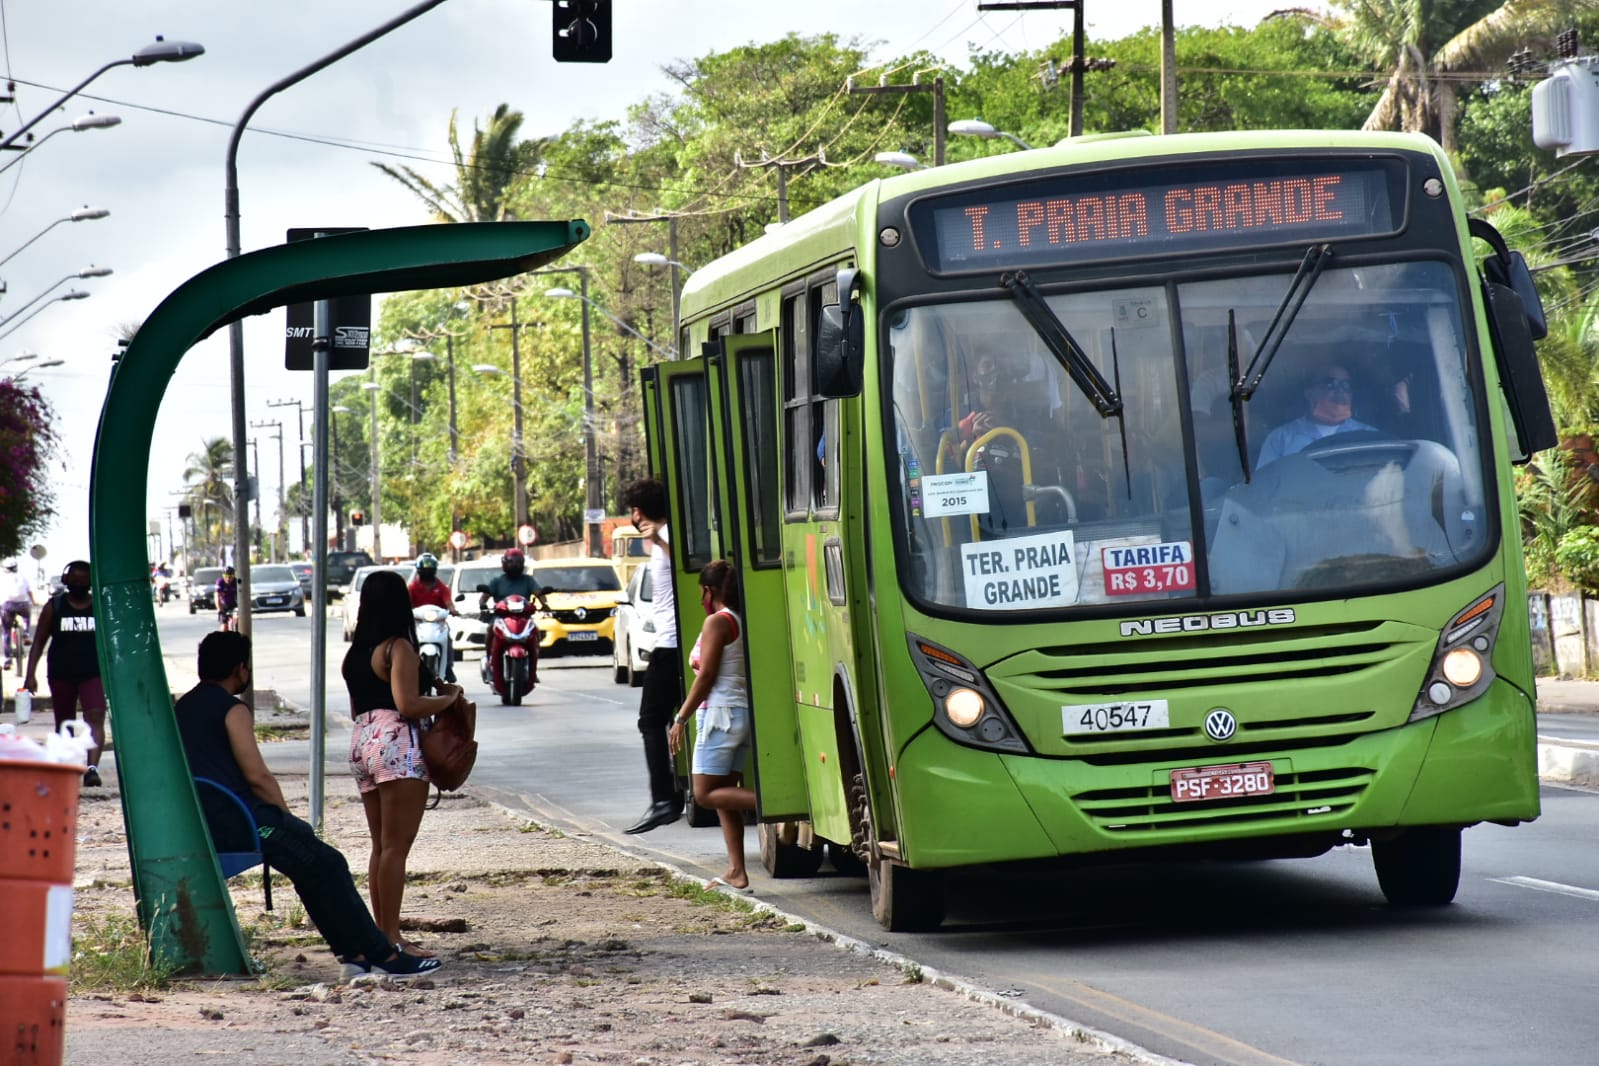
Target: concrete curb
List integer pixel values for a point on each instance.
(1568, 762)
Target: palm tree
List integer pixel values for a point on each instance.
(209, 477)
(1428, 44)
(482, 177)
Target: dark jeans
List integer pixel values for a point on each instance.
(321, 876)
(661, 697)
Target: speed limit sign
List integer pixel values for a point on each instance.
(527, 535)
(458, 540)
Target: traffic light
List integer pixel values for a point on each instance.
(582, 31)
(357, 518)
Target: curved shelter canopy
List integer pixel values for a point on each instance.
(183, 900)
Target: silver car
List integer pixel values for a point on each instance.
(635, 629)
(275, 588)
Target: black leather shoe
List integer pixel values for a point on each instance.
(658, 815)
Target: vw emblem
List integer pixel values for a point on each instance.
(581, 614)
(1220, 724)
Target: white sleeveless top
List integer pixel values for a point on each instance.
(731, 688)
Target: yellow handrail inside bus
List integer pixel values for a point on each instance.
(948, 444)
(1027, 469)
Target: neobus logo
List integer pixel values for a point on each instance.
(1196, 623)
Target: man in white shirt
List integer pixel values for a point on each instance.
(663, 678)
(16, 601)
(1329, 399)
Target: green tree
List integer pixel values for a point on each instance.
(27, 439)
(482, 175)
(209, 491)
(1428, 45)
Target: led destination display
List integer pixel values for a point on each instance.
(1156, 212)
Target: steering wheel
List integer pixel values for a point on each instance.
(1360, 448)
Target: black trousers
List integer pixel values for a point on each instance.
(321, 876)
(658, 703)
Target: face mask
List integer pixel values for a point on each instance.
(78, 590)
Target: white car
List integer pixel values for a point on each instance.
(352, 599)
(467, 632)
(635, 629)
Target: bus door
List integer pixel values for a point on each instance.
(742, 373)
(677, 427)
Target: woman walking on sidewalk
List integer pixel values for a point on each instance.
(389, 698)
(719, 699)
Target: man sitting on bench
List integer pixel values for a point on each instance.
(218, 732)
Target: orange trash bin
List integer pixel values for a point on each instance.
(38, 846)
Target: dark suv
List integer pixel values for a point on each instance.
(341, 568)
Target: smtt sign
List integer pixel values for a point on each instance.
(350, 317)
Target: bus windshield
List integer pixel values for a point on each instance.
(1364, 449)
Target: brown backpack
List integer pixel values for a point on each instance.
(448, 747)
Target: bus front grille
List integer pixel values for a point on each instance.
(1151, 810)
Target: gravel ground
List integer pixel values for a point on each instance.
(556, 950)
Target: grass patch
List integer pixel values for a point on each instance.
(109, 954)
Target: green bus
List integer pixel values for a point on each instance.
(1134, 498)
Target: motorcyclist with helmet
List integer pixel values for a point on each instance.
(426, 589)
(512, 580)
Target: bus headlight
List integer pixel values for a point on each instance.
(965, 707)
(1462, 667)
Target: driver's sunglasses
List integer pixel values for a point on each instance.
(1343, 385)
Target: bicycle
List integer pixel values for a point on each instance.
(17, 638)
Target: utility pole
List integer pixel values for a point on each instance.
(280, 535)
(805, 165)
(518, 465)
(936, 87)
(672, 257)
(305, 510)
(1080, 62)
(255, 493)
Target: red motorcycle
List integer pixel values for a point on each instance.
(511, 656)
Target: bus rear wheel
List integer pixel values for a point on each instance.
(1420, 867)
(906, 900)
(783, 854)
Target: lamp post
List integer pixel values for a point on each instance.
(518, 464)
(593, 509)
(230, 214)
(372, 388)
(976, 127)
(38, 366)
(903, 160)
(163, 51)
(75, 294)
(299, 421)
(83, 214)
(87, 122)
(657, 259)
(86, 272)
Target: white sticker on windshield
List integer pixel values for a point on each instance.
(1021, 573)
(961, 493)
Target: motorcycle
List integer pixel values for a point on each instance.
(433, 638)
(163, 589)
(511, 657)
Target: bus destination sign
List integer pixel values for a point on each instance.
(1166, 212)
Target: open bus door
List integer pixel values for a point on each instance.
(744, 397)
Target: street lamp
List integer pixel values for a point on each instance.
(87, 122)
(976, 127)
(83, 214)
(38, 366)
(657, 259)
(163, 51)
(593, 508)
(75, 294)
(903, 160)
(372, 389)
(86, 272)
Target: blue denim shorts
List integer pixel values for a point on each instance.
(717, 751)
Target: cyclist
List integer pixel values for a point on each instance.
(227, 597)
(16, 601)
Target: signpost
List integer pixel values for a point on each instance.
(526, 535)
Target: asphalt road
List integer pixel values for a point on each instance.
(1265, 963)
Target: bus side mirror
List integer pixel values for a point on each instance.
(1510, 329)
(840, 354)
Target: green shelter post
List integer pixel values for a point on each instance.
(183, 901)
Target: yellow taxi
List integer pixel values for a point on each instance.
(581, 594)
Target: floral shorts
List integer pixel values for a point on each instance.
(385, 747)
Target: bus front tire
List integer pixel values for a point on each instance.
(906, 900)
(1420, 867)
(786, 859)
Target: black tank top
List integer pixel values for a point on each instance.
(368, 691)
(72, 655)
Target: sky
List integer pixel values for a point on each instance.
(160, 172)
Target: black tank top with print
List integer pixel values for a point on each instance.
(72, 655)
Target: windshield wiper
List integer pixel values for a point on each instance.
(1105, 397)
(1243, 385)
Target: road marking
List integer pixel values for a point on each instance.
(1548, 886)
